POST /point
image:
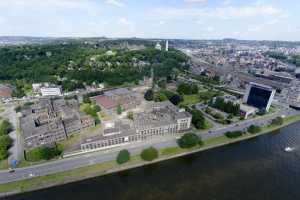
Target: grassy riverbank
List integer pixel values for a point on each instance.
(135, 161)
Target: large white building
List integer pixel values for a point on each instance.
(51, 91)
(259, 96)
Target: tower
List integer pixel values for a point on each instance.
(167, 45)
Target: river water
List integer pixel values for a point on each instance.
(257, 169)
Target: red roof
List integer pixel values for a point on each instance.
(105, 102)
(5, 92)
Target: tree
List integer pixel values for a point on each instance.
(149, 154)
(254, 129)
(278, 121)
(123, 156)
(149, 95)
(130, 115)
(5, 143)
(176, 99)
(5, 127)
(160, 97)
(188, 140)
(119, 109)
(42, 153)
(198, 119)
(234, 134)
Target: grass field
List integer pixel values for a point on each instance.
(189, 100)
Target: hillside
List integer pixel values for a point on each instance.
(77, 63)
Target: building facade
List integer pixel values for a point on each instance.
(259, 96)
(50, 121)
(162, 119)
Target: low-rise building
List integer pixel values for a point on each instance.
(246, 111)
(51, 91)
(50, 121)
(161, 119)
(5, 92)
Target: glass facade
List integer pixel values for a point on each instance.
(259, 97)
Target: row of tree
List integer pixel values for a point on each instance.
(226, 106)
(5, 140)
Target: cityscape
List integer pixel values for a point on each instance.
(153, 115)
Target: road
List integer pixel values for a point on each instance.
(102, 156)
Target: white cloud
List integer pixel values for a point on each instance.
(274, 21)
(161, 22)
(115, 3)
(124, 21)
(227, 2)
(195, 1)
(223, 12)
(44, 3)
(254, 29)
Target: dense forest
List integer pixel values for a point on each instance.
(76, 64)
(294, 59)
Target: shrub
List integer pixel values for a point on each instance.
(188, 140)
(130, 115)
(5, 127)
(278, 121)
(160, 97)
(123, 156)
(253, 129)
(42, 153)
(176, 99)
(198, 119)
(149, 95)
(234, 134)
(149, 154)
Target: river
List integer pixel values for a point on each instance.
(256, 169)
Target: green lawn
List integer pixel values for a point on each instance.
(4, 164)
(189, 100)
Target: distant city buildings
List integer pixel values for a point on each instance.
(158, 46)
(167, 45)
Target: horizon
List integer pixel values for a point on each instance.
(141, 38)
(269, 20)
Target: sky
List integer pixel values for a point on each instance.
(181, 19)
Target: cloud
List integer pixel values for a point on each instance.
(124, 21)
(227, 2)
(115, 3)
(161, 22)
(273, 21)
(44, 3)
(195, 1)
(223, 12)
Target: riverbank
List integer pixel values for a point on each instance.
(112, 166)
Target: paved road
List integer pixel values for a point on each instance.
(101, 156)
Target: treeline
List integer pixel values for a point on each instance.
(228, 107)
(294, 59)
(5, 140)
(75, 64)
